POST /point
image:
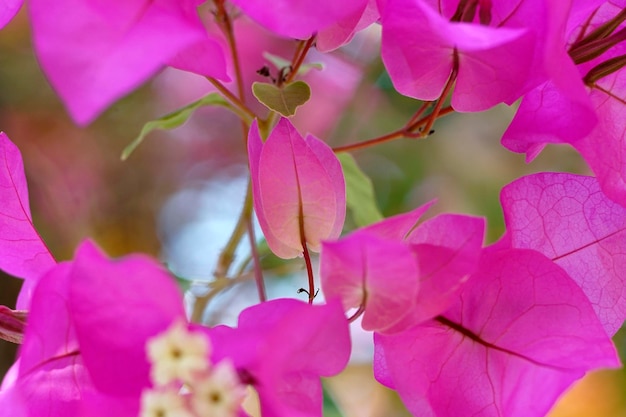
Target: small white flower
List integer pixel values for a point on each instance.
(178, 355)
(166, 403)
(220, 394)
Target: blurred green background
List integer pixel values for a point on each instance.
(79, 187)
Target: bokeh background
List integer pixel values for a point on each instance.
(178, 195)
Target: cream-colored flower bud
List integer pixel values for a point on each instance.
(220, 394)
(178, 355)
(167, 403)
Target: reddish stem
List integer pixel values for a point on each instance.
(357, 314)
(425, 105)
(231, 97)
(299, 57)
(309, 270)
(408, 131)
(232, 44)
(446, 90)
(360, 310)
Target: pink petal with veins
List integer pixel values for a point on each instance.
(520, 334)
(569, 219)
(297, 184)
(23, 252)
(382, 275)
(52, 379)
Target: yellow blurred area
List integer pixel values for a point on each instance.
(80, 188)
(599, 394)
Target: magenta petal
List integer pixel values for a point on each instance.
(317, 196)
(57, 388)
(547, 115)
(521, 334)
(47, 338)
(343, 271)
(342, 32)
(605, 147)
(12, 404)
(404, 45)
(205, 57)
(568, 218)
(283, 358)
(93, 54)
(493, 66)
(22, 252)
(398, 226)
(309, 347)
(298, 19)
(418, 48)
(52, 379)
(96, 404)
(402, 274)
(277, 190)
(255, 147)
(392, 284)
(381, 274)
(448, 248)
(116, 306)
(8, 10)
(295, 181)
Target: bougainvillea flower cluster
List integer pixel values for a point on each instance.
(400, 274)
(460, 328)
(93, 319)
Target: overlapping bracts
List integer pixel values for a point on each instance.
(459, 329)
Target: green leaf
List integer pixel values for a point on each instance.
(360, 197)
(176, 119)
(280, 62)
(183, 283)
(285, 99)
(330, 406)
(269, 261)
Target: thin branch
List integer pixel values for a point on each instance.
(408, 131)
(239, 104)
(298, 59)
(258, 273)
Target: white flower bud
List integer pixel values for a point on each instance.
(220, 394)
(178, 355)
(166, 403)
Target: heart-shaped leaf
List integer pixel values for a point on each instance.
(284, 100)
